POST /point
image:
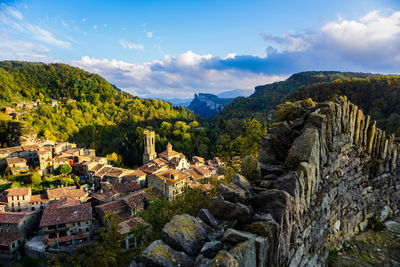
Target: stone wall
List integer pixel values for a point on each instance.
(325, 170)
(338, 169)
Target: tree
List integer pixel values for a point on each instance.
(64, 169)
(115, 159)
(33, 178)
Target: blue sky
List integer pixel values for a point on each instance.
(169, 49)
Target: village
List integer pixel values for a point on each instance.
(62, 218)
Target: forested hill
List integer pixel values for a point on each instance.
(378, 96)
(32, 81)
(266, 97)
(101, 116)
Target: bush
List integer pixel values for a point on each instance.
(375, 224)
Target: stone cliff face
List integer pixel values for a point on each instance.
(207, 105)
(325, 170)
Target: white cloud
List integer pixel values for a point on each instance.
(131, 45)
(149, 34)
(84, 19)
(174, 76)
(11, 20)
(95, 27)
(22, 50)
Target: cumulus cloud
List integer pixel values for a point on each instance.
(131, 45)
(370, 43)
(174, 76)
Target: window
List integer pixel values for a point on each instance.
(23, 197)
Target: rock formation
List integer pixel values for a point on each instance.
(324, 174)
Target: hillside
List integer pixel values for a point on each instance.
(266, 97)
(378, 96)
(90, 111)
(207, 105)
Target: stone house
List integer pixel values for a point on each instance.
(66, 220)
(62, 146)
(18, 198)
(112, 190)
(125, 207)
(17, 165)
(136, 176)
(169, 183)
(10, 245)
(14, 228)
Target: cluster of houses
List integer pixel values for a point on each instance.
(65, 217)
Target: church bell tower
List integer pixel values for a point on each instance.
(149, 147)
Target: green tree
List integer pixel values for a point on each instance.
(64, 169)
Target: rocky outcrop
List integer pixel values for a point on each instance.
(324, 172)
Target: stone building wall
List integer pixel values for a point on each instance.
(322, 172)
(338, 169)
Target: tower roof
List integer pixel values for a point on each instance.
(169, 146)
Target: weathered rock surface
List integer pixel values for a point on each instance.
(226, 210)
(160, 254)
(233, 193)
(224, 259)
(241, 181)
(208, 218)
(184, 233)
(251, 168)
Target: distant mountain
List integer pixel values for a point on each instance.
(236, 93)
(184, 102)
(266, 97)
(207, 105)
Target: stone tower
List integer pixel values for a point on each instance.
(149, 147)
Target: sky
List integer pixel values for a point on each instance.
(173, 48)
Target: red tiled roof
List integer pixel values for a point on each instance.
(18, 191)
(133, 200)
(66, 211)
(7, 238)
(115, 172)
(171, 176)
(38, 198)
(103, 171)
(126, 226)
(12, 217)
(63, 192)
(96, 168)
(203, 170)
(67, 238)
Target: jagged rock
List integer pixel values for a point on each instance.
(393, 227)
(241, 181)
(226, 210)
(201, 261)
(184, 233)
(251, 168)
(224, 259)
(305, 148)
(245, 253)
(234, 237)
(134, 264)
(385, 213)
(211, 249)
(270, 177)
(286, 183)
(233, 193)
(208, 218)
(160, 254)
(266, 184)
(267, 227)
(267, 169)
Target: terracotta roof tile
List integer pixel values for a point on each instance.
(64, 212)
(15, 160)
(7, 238)
(18, 191)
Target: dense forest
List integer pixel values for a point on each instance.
(378, 96)
(95, 114)
(266, 97)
